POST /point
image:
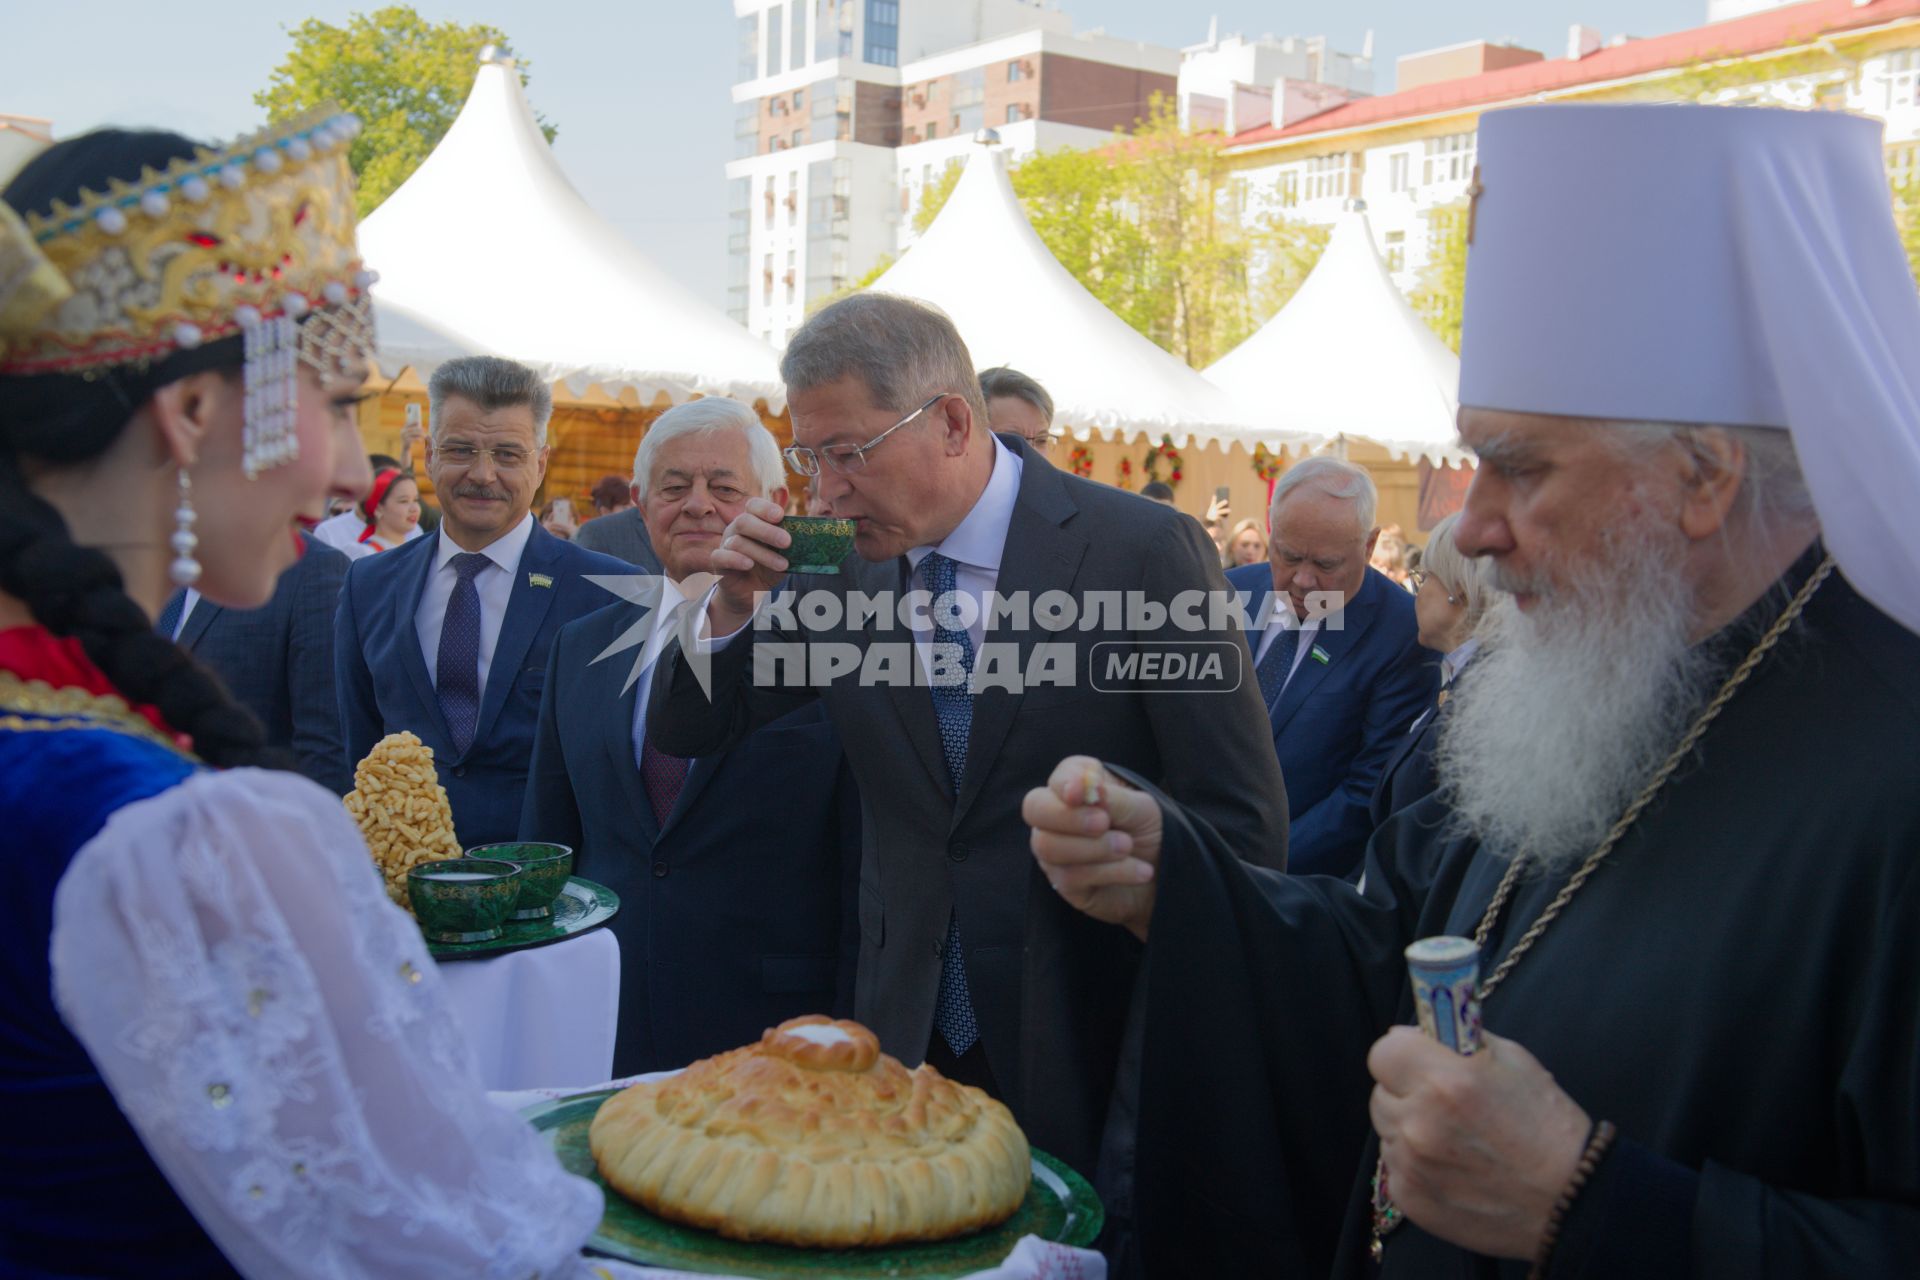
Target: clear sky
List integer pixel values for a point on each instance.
(639, 87)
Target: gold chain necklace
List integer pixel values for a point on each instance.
(1387, 1215)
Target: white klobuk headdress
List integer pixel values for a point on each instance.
(1728, 266)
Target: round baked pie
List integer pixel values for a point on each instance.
(814, 1137)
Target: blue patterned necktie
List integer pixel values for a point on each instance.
(169, 620)
(953, 707)
(457, 673)
(1277, 665)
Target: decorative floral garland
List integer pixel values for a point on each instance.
(1080, 461)
(1266, 465)
(1126, 473)
(1164, 451)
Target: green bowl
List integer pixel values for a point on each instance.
(544, 871)
(463, 899)
(820, 543)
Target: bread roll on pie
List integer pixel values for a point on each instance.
(814, 1137)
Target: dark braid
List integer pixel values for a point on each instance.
(73, 590)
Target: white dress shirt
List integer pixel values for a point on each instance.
(186, 611)
(1280, 618)
(975, 547)
(663, 619)
(494, 583)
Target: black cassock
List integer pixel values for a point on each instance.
(1737, 989)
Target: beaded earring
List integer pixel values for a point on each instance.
(185, 570)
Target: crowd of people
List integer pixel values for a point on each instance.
(1625, 721)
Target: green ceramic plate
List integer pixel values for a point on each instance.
(581, 906)
(1059, 1206)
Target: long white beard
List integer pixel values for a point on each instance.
(1570, 707)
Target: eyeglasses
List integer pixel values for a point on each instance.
(1418, 578)
(848, 458)
(505, 458)
(1044, 441)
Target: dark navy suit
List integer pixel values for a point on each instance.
(384, 686)
(1338, 720)
(1409, 775)
(278, 661)
(737, 913)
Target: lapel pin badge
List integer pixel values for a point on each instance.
(1320, 655)
(542, 580)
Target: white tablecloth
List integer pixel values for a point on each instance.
(543, 1018)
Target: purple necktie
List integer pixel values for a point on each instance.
(457, 672)
(663, 776)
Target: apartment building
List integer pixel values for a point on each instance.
(1410, 154)
(845, 110)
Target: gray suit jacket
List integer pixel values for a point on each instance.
(623, 535)
(278, 661)
(1050, 987)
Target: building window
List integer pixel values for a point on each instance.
(799, 21)
(776, 47)
(746, 128)
(1327, 176)
(769, 203)
(1902, 69)
(793, 198)
(749, 48)
(1396, 251)
(1016, 70)
(1449, 159)
(828, 17)
(968, 96)
(883, 33)
(1016, 112)
(799, 99)
(799, 137)
(1399, 169)
(933, 130)
(789, 278)
(766, 280)
(1289, 192)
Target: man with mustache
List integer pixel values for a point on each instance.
(447, 637)
(1671, 809)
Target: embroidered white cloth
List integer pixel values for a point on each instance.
(279, 1038)
(540, 1017)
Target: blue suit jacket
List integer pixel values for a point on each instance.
(278, 661)
(384, 687)
(737, 913)
(1337, 722)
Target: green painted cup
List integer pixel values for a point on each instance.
(463, 899)
(544, 870)
(820, 543)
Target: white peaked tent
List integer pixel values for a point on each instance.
(1348, 357)
(1014, 304)
(488, 245)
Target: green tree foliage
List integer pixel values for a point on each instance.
(934, 197)
(1153, 227)
(405, 78)
(1443, 281)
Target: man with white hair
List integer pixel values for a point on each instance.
(446, 637)
(1337, 655)
(1671, 812)
(735, 871)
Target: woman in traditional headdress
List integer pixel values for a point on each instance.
(391, 510)
(221, 1047)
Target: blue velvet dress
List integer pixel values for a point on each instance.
(79, 1195)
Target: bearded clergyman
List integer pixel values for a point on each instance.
(1679, 805)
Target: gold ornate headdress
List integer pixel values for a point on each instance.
(253, 240)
